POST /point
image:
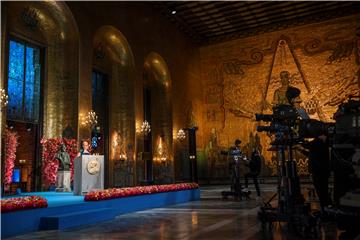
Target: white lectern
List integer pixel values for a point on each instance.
(88, 173)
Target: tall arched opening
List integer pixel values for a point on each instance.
(158, 112)
(113, 71)
(40, 62)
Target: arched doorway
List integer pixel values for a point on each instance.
(113, 63)
(158, 112)
(41, 42)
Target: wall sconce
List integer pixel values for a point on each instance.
(123, 157)
(192, 157)
(90, 119)
(22, 161)
(119, 147)
(3, 98)
(161, 151)
(181, 135)
(145, 128)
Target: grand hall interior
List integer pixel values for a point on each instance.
(180, 120)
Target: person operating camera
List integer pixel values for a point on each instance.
(236, 156)
(318, 155)
(255, 168)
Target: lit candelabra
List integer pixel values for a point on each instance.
(181, 135)
(90, 119)
(3, 98)
(161, 153)
(145, 128)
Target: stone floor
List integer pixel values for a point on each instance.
(210, 218)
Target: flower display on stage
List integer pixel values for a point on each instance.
(11, 143)
(134, 191)
(22, 203)
(50, 164)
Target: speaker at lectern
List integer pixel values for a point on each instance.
(88, 173)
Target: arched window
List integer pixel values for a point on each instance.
(24, 74)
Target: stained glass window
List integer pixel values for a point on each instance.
(23, 82)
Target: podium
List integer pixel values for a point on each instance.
(88, 173)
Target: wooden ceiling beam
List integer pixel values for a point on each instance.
(270, 6)
(279, 21)
(300, 12)
(217, 7)
(264, 12)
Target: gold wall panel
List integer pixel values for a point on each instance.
(241, 76)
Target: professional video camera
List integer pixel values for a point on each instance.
(289, 127)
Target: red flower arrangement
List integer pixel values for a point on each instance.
(133, 191)
(50, 164)
(11, 143)
(22, 203)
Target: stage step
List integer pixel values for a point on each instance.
(74, 219)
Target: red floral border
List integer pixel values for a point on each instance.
(134, 191)
(11, 143)
(22, 203)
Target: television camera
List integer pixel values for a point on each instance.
(290, 127)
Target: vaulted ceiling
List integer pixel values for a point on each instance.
(214, 21)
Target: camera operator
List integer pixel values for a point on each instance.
(318, 155)
(235, 154)
(255, 168)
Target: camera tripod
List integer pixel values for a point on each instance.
(291, 207)
(235, 188)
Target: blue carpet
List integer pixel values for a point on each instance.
(66, 210)
(55, 199)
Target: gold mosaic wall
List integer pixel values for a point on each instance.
(241, 76)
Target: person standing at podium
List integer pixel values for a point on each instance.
(85, 148)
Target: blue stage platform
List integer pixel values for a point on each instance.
(66, 210)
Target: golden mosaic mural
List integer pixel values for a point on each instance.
(241, 81)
